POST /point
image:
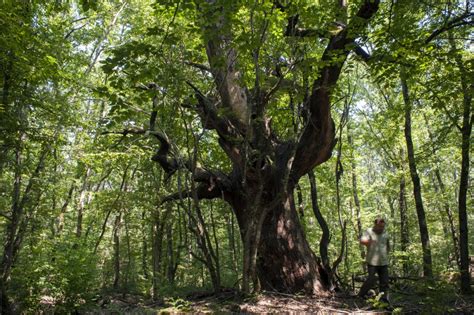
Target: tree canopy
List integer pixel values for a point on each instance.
(158, 148)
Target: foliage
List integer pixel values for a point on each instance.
(74, 75)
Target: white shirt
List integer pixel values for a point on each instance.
(377, 251)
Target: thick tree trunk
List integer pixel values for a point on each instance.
(276, 254)
(285, 261)
(420, 211)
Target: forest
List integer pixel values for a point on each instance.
(228, 155)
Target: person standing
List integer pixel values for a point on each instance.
(378, 246)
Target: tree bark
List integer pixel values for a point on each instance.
(440, 187)
(157, 237)
(144, 248)
(324, 241)
(18, 220)
(420, 211)
(116, 240)
(355, 195)
(170, 270)
(82, 201)
(467, 121)
(404, 231)
(266, 169)
(285, 261)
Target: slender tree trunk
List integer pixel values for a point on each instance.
(324, 241)
(156, 253)
(420, 211)
(60, 220)
(82, 201)
(466, 129)
(129, 253)
(232, 247)
(300, 206)
(169, 251)
(116, 238)
(463, 218)
(18, 222)
(216, 243)
(123, 186)
(445, 202)
(451, 233)
(5, 117)
(404, 231)
(144, 248)
(355, 195)
(210, 258)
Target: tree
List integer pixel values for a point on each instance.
(265, 166)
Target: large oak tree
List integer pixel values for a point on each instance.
(265, 166)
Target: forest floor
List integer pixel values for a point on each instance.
(231, 302)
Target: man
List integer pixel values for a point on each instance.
(378, 246)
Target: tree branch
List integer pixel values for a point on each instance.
(318, 138)
(203, 191)
(223, 62)
(455, 22)
(198, 66)
(229, 134)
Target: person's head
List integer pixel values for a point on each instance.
(379, 224)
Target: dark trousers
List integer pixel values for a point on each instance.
(382, 272)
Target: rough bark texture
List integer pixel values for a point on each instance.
(265, 169)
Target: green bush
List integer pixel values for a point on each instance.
(59, 274)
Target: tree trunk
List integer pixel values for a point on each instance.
(129, 253)
(82, 201)
(157, 236)
(60, 219)
(170, 270)
(232, 246)
(355, 195)
(116, 238)
(324, 242)
(466, 129)
(439, 187)
(420, 211)
(404, 231)
(445, 202)
(144, 248)
(265, 169)
(285, 262)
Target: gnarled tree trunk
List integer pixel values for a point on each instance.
(265, 169)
